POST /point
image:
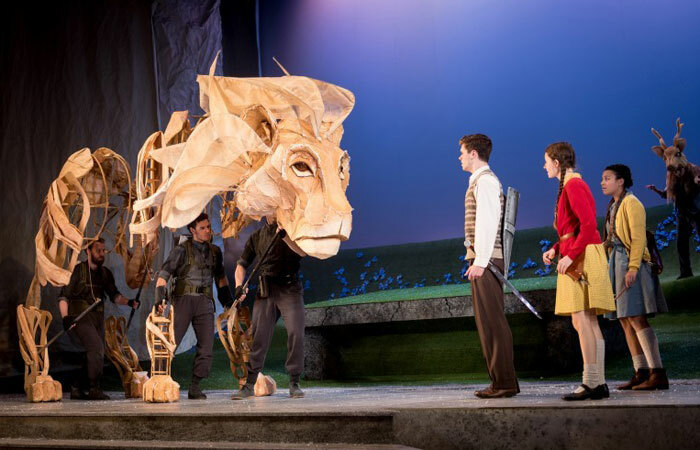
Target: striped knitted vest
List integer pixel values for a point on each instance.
(470, 219)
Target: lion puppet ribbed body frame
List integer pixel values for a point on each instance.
(269, 147)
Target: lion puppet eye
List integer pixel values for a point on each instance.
(301, 169)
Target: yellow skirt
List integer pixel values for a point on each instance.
(596, 293)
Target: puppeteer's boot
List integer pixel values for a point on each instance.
(77, 394)
(640, 376)
(195, 392)
(657, 380)
(247, 391)
(96, 393)
(294, 389)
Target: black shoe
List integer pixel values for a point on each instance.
(684, 275)
(294, 390)
(606, 391)
(97, 394)
(247, 391)
(77, 394)
(195, 393)
(587, 393)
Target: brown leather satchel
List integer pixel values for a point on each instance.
(575, 270)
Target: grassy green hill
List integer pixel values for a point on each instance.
(431, 269)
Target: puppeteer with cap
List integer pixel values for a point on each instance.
(197, 265)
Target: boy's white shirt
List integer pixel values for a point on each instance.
(488, 215)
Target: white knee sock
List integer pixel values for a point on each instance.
(639, 362)
(650, 346)
(600, 360)
(590, 376)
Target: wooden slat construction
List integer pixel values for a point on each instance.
(124, 358)
(160, 339)
(38, 384)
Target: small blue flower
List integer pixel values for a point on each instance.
(545, 244)
(529, 264)
(359, 255)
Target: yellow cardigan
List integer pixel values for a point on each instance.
(631, 229)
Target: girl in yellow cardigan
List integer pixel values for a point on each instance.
(626, 245)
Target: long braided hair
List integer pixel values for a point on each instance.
(564, 153)
(623, 172)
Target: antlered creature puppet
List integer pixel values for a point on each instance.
(683, 189)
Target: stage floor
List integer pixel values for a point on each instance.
(442, 416)
(356, 400)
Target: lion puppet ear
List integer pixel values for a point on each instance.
(261, 120)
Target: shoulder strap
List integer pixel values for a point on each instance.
(189, 249)
(212, 254)
(83, 274)
(189, 257)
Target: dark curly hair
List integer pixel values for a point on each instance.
(621, 171)
(199, 218)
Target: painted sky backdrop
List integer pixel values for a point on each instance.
(598, 74)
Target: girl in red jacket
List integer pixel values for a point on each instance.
(583, 299)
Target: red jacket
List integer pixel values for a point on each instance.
(576, 213)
